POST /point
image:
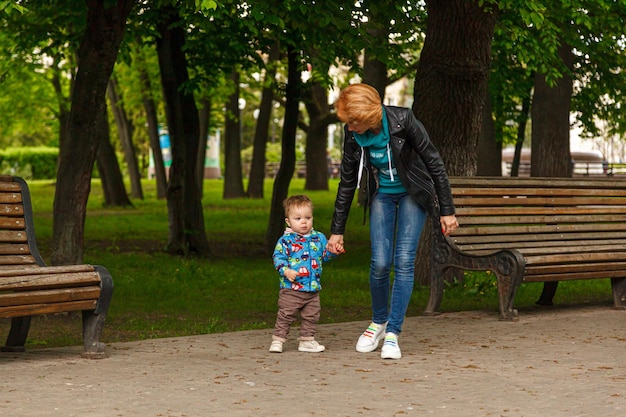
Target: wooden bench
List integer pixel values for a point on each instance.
(534, 230)
(28, 287)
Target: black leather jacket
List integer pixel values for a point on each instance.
(417, 161)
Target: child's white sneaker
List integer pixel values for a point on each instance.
(276, 346)
(310, 346)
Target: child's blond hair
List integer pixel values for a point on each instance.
(296, 201)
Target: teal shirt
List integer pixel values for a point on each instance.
(377, 144)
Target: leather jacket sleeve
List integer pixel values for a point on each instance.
(347, 183)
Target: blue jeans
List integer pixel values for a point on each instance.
(396, 223)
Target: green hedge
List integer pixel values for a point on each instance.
(31, 163)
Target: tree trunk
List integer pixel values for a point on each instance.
(257, 166)
(153, 123)
(125, 132)
(450, 86)
(550, 148)
(109, 169)
(521, 135)
(489, 157)
(186, 221)
(233, 177)
(288, 152)
(77, 152)
(375, 70)
(204, 116)
(316, 152)
(451, 79)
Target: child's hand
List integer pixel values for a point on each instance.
(291, 274)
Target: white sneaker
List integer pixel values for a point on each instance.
(371, 337)
(276, 346)
(391, 349)
(310, 346)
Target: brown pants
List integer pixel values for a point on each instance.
(291, 302)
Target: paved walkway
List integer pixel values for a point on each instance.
(560, 362)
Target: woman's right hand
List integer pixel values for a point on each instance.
(335, 244)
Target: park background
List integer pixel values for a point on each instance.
(91, 88)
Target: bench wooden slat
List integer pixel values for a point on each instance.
(531, 192)
(604, 267)
(574, 218)
(49, 296)
(34, 309)
(10, 197)
(484, 245)
(7, 185)
(60, 269)
(17, 261)
(530, 239)
(44, 281)
(7, 223)
(11, 210)
(551, 251)
(465, 213)
(528, 229)
(538, 201)
(13, 236)
(580, 275)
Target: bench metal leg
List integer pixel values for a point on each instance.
(93, 321)
(507, 265)
(17, 335)
(92, 329)
(618, 285)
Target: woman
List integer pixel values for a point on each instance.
(389, 156)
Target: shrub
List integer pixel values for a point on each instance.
(30, 162)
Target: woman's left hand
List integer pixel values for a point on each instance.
(448, 224)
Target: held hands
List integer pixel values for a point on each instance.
(335, 244)
(448, 224)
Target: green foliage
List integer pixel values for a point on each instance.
(30, 162)
(9, 6)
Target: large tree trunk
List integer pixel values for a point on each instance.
(186, 221)
(451, 79)
(450, 86)
(77, 154)
(125, 131)
(288, 152)
(550, 148)
(374, 69)
(317, 138)
(489, 157)
(550, 113)
(153, 123)
(257, 166)
(109, 169)
(233, 177)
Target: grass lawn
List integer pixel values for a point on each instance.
(159, 295)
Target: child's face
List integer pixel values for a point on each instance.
(300, 219)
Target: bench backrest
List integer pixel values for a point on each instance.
(18, 247)
(534, 214)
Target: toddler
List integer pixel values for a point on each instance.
(298, 258)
